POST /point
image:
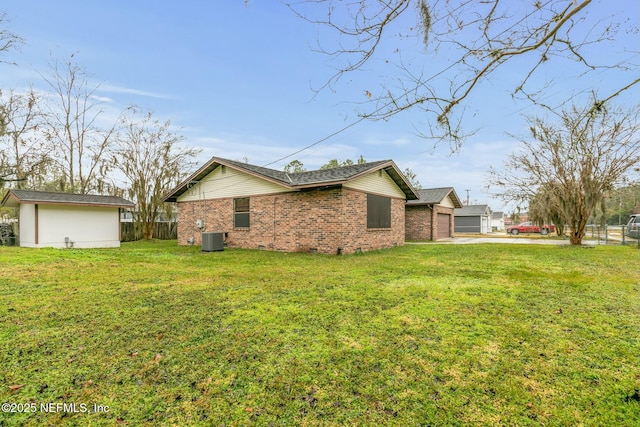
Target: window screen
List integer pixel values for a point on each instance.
(241, 213)
(378, 211)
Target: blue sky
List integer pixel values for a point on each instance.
(238, 79)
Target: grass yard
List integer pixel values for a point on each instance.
(156, 334)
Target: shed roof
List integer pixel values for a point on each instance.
(14, 198)
(434, 196)
(299, 180)
(473, 210)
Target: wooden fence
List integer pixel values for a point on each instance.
(161, 231)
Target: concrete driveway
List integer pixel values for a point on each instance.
(505, 240)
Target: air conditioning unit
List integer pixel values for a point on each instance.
(212, 242)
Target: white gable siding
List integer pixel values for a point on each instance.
(447, 203)
(231, 183)
(378, 182)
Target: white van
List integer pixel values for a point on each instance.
(633, 226)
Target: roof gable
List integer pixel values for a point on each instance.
(473, 210)
(298, 180)
(435, 196)
(224, 182)
(14, 198)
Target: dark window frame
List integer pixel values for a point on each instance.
(241, 212)
(378, 212)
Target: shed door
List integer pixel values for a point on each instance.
(467, 224)
(444, 226)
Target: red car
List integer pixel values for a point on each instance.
(529, 227)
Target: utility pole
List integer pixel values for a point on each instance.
(467, 196)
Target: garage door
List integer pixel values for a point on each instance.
(444, 226)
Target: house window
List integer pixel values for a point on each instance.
(241, 213)
(378, 211)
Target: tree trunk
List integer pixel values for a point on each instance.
(147, 230)
(576, 238)
(578, 232)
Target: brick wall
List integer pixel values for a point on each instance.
(422, 223)
(356, 234)
(320, 220)
(418, 222)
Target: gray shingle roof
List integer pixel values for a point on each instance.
(309, 177)
(473, 210)
(497, 215)
(342, 173)
(15, 197)
(434, 196)
(298, 180)
(257, 170)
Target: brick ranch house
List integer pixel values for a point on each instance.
(335, 211)
(431, 217)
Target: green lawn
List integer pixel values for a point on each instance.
(417, 335)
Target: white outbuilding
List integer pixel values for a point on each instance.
(64, 220)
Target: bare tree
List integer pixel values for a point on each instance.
(151, 158)
(576, 161)
(8, 40)
(23, 157)
(475, 38)
(75, 129)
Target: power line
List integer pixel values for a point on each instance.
(364, 117)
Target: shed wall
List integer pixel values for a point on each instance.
(27, 225)
(86, 227)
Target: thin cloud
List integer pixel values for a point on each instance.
(110, 88)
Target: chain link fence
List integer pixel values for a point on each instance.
(612, 235)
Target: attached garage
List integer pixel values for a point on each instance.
(63, 220)
(444, 225)
(431, 216)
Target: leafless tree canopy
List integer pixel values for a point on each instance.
(475, 37)
(74, 128)
(23, 156)
(8, 40)
(149, 154)
(575, 161)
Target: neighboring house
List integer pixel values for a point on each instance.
(473, 219)
(431, 217)
(516, 218)
(342, 210)
(497, 221)
(63, 220)
(131, 216)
